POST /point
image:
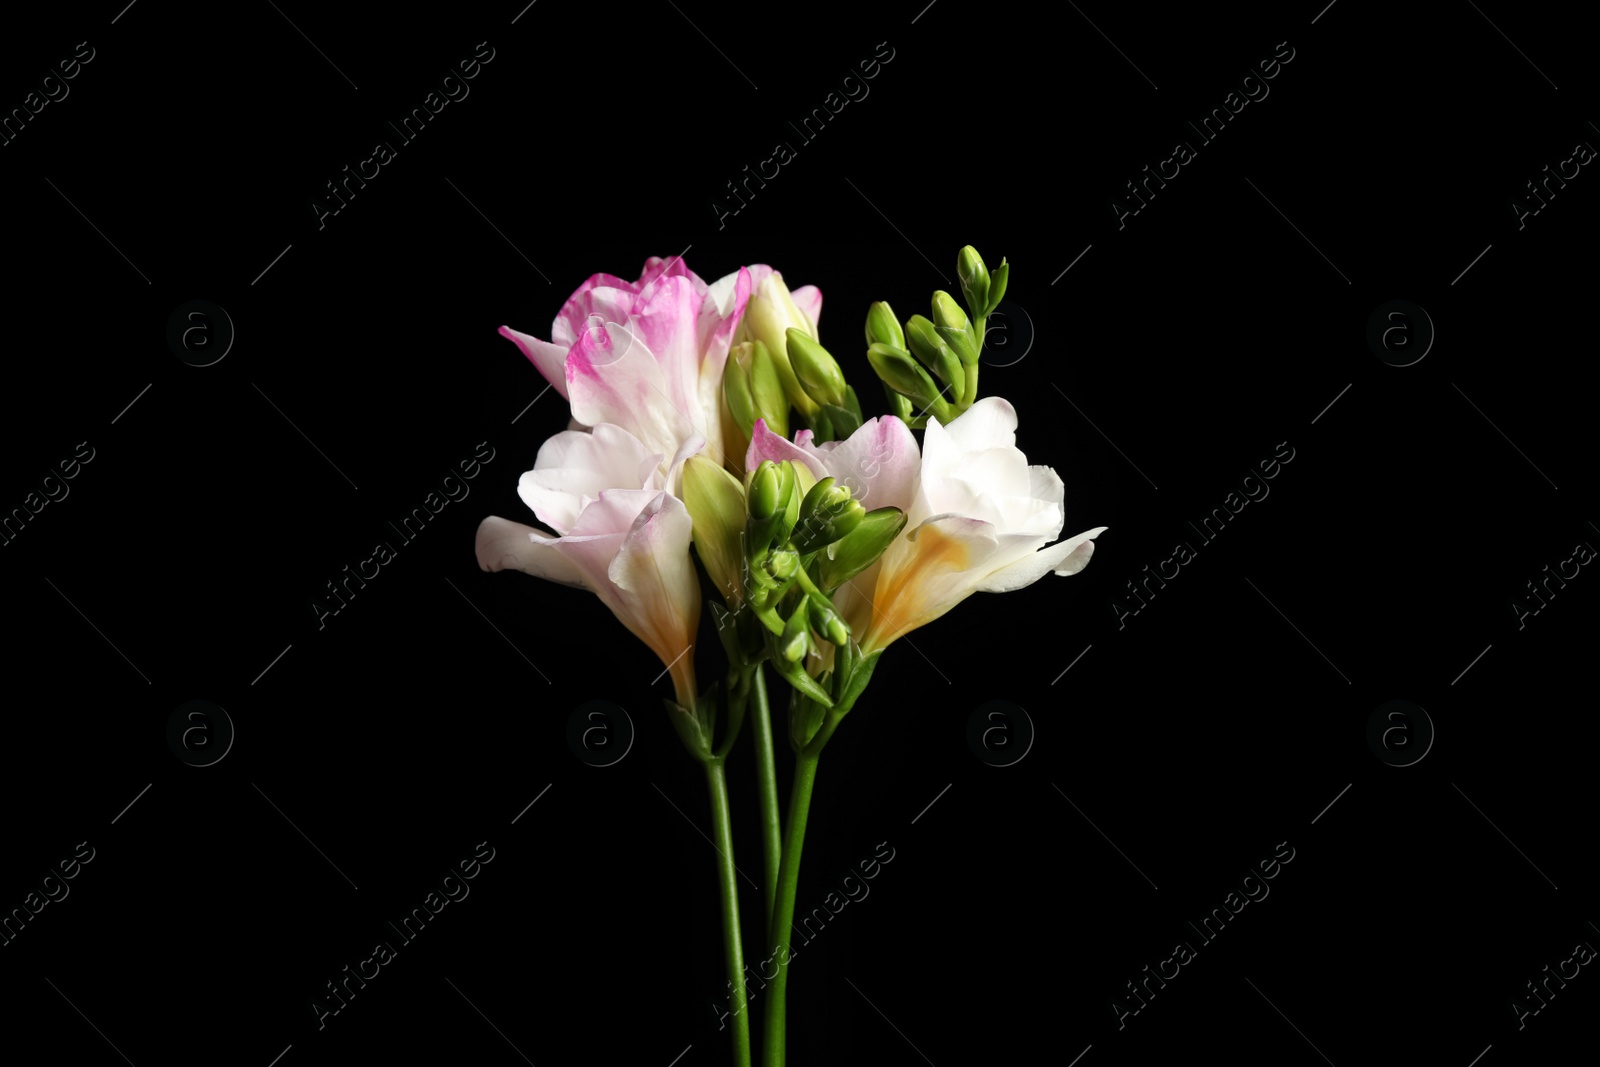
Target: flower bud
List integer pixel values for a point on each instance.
(954, 328)
(828, 513)
(932, 352)
(796, 638)
(715, 501)
(766, 390)
(736, 389)
(766, 488)
(883, 327)
(827, 622)
(997, 284)
(974, 275)
(906, 377)
(774, 502)
(860, 548)
(818, 372)
(769, 316)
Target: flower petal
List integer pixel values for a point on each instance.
(549, 358)
(573, 468)
(1065, 558)
(764, 445)
(808, 298)
(613, 377)
(503, 545)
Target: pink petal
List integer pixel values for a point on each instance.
(612, 377)
(808, 298)
(550, 359)
(765, 445)
(879, 463)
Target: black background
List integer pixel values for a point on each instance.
(1182, 746)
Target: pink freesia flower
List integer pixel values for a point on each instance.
(979, 517)
(646, 355)
(622, 536)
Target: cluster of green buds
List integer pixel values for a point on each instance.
(801, 543)
(931, 366)
(777, 363)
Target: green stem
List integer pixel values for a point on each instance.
(722, 827)
(782, 926)
(805, 776)
(767, 786)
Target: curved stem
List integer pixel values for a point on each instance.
(767, 787)
(805, 775)
(733, 950)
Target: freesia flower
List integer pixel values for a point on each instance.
(979, 517)
(647, 355)
(622, 536)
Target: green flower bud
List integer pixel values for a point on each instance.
(955, 328)
(782, 564)
(796, 638)
(883, 327)
(736, 389)
(899, 406)
(974, 275)
(905, 376)
(934, 353)
(766, 491)
(768, 317)
(766, 390)
(828, 513)
(715, 501)
(817, 370)
(997, 284)
(827, 621)
(860, 548)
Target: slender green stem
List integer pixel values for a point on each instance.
(722, 827)
(767, 786)
(805, 776)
